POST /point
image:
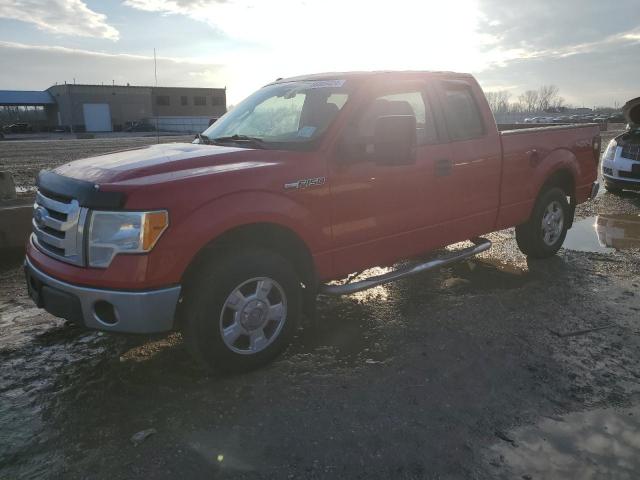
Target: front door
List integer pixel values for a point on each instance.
(379, 210)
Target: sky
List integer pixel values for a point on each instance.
(589, 49)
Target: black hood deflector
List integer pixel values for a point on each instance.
(86, 193)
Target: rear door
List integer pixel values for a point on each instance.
(468, 184)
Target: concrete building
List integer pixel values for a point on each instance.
(105, 108)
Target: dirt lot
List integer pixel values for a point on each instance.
(488, 369)
(25, 158)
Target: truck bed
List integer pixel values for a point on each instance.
(532, 154)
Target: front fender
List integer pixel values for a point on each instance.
(190, 233)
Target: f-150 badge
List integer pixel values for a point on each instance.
(305, 183)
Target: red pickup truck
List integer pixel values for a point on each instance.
(232, 237)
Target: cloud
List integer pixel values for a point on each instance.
(38, 67)
(64, 17)
(172, 6)
(600, 77)
(587, 48)
(549, 24)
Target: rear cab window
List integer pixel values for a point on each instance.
(462, 114)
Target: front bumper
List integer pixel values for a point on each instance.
(627, 183)
(149, 311)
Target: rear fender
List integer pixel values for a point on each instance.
(559, 163)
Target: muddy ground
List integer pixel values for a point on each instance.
(488, 369)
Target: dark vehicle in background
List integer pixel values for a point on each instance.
(617, 118)
(19, 127)
(140, 127)
(621, 160)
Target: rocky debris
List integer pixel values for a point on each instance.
(142, 435)
(7, 187)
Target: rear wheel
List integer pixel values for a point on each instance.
(241, 310)
(543, 234)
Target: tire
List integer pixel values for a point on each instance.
(239, 294)
(611, 188)
(542, 241)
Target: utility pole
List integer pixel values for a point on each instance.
(155, 107)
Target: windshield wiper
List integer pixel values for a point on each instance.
(255, 141)
(202, 138)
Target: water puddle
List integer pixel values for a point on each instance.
(601, 443)
(486, 273)
(604, 234)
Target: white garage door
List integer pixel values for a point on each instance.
(97, 117)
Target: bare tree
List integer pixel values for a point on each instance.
(499, 101)
(491, 100)
(529, 100)
(544, 98)
(558, 103)
(547, 96)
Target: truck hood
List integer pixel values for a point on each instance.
(631, 112)
(162, 161)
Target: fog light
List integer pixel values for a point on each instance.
(105, 312)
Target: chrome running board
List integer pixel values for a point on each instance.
(480, 245)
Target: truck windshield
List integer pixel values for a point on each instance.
(282, 113)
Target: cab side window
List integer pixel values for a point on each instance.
(406, 103)
(464, 120)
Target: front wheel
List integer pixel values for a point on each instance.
(241, 310)
(543, 234)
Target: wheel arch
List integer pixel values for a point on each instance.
(563, 178)
(267, 235)
(264, 235)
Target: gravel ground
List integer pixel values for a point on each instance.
(453, 374)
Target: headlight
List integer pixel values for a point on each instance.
(610, 152)
(111, 233)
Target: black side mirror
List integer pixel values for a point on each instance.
(395, 140)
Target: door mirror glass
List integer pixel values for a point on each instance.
(394, 141)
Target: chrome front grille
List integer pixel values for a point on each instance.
(58, 227)
(631, 152)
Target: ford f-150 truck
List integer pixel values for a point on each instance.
(231, 238)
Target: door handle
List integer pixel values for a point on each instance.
(444, 167)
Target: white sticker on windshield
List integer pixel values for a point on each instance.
(306, 132)
(326, 84)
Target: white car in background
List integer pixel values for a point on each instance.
(621, 159)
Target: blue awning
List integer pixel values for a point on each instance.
(25, 97)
